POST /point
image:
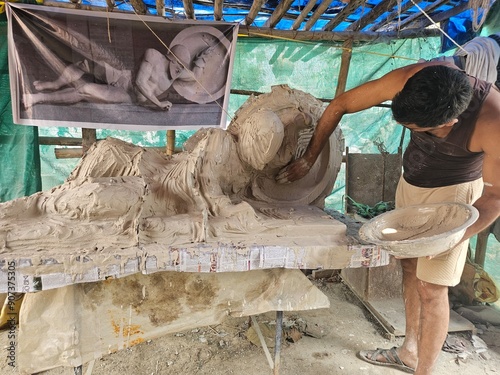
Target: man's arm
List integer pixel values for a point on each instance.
(486, 138)
(362, 97)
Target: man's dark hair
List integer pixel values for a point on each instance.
(433, 96)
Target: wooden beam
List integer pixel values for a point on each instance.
(280, 10)
(326, 100)
(189, 9)
(170, 142)
(111, 4)
(301, 17)
(253, 12)
(372, 15)
(332, 36)
(60, 141)
(88, 138)
(420, 15)
(139, 7)
(218, 7)
(345, 62)
(317, 14)
(440, 17)
(395, 14)
(160, 7)
(343, 14)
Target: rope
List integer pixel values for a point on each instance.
(475, 5)
(438, 27)
(338, 47)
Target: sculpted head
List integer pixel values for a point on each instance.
(259, 138)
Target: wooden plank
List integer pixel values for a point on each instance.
(389, 313)
(88, 138)
(334, 36)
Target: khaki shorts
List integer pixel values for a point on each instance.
(445, 269)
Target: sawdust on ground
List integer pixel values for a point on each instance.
(346, 327)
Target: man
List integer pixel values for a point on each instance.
(454, 121)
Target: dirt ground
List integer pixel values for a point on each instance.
(329, 343)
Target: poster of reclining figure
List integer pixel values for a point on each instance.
(119, 71)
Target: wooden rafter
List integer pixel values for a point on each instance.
(404, 24)
(189, 9)
(254, 10)
(279, 12)
(332, 36)
(372, 15)
(392, 16)
(139, 7)
(317, 14)
(160, 7)
(302, 16)
(343, 14)
(218, 6)
(439, 17)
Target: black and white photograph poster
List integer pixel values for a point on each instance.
(118, 71)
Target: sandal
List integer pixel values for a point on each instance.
(391, 358)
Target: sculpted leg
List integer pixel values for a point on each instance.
(70, 74)
(65, 96)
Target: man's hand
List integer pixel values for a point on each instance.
(294, 171)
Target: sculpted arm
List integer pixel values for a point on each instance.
(146, 79)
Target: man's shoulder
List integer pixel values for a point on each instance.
(488, 122)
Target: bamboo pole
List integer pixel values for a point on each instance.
(345, 62)
(170, 142)
(88, 138)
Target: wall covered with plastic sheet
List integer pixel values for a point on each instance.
(19, 157)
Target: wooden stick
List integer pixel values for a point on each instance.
(344, 66)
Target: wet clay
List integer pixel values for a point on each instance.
(122, 198)
(426, 224)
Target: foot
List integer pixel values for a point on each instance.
(385, 357)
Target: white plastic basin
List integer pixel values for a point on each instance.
(422, 230)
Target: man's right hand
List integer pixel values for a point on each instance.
(294, 171)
